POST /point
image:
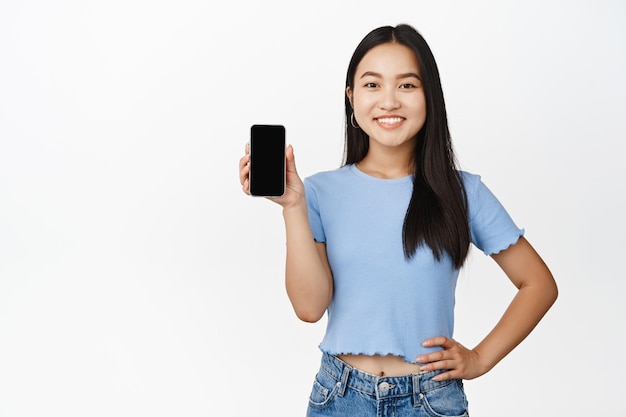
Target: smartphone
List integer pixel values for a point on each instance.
(267, 160)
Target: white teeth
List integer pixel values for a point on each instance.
(390, 120)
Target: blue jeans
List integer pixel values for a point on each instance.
(341, 390)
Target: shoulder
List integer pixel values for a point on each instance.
(327, 178)
(470, 183)
(477, 192)
(324, 187)
(469, 178)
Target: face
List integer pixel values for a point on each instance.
(387, 97)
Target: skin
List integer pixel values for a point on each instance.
(387, 87)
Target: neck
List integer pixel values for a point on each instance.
(387, 163)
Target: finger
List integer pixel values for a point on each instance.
(440, 355)
(244, 174)
(244, 168)
(245, 160)
(245, 186)
(447, 364)
(444, 376)
(439, 341)
(291, 159)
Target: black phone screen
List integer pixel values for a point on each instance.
(267, 160)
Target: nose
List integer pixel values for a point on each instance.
(389, 100)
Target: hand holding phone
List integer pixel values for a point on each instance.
(267, 160)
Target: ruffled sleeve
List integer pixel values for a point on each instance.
(492, 228)
(315, 219)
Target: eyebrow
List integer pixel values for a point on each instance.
(399, 76)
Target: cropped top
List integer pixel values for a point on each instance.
(382, 303)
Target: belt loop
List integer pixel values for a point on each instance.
(344, 379)
(417, 394)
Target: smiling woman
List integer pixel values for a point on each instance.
(378, 243)
(389, 104)
(376, 82)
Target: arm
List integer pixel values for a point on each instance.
(537, 291)
(308, 278)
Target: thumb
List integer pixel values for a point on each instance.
(291, 160)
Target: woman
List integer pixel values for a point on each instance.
(378, 244)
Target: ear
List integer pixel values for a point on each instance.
(349, 94)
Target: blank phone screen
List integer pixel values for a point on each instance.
(267, 160)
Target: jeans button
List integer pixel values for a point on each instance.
(383, 387)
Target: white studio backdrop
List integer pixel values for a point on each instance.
(136, 279)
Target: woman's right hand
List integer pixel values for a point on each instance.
(294, 189)
(308, 277)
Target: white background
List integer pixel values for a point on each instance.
(136, 279)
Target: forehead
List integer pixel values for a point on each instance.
(388, 59)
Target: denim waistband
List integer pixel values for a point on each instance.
(379, 386)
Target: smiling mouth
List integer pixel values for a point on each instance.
(389, 121)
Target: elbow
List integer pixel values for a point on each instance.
(545, 291)
(555, 291)
(309, 315)
(550, 291)
(309, 306)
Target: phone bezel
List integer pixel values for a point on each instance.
(283, 130)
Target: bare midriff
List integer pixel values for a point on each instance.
(381, 365)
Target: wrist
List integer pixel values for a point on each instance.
(297, 206)
(484, 362)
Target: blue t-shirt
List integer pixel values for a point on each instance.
(382, 303)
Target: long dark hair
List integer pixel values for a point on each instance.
(437, 214)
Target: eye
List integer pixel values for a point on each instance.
(408, 86)
(370, 85)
